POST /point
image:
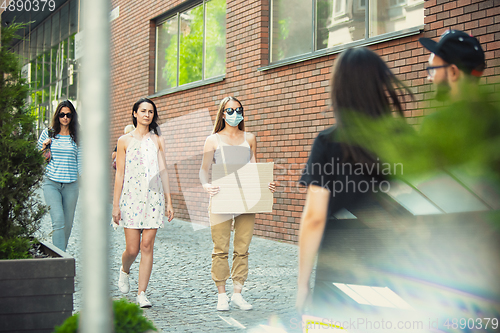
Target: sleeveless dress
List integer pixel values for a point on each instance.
(142, 203)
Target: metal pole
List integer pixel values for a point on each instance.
(96, 313)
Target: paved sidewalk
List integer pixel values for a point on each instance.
(183, 295)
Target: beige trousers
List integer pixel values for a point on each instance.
(220, 225)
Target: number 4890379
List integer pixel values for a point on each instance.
(471, 323)
(28, 5)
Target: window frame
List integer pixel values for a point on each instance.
(339, 48)
(177, 11)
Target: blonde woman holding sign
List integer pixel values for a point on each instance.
(229, 143)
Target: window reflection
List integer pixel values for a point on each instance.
(291, 28)
(191, 45)
(166, 55)
(336, 22)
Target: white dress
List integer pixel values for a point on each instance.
(142, 203)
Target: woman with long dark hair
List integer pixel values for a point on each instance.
(229, 144)
(60, 185)
(361, 86)
(141, 190)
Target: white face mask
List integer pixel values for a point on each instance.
(234, 119)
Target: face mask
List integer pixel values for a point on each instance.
(234, 119)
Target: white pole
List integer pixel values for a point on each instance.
(96, 313)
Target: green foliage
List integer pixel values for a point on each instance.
(128, 318)
(70, 325)
(215, 35)
(21, 164)
(191, 48)
(170, 69)
(15, 248)
(291, 33)
(462, 133)
(191, 45)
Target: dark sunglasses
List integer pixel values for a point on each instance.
(62, 115)
(230, 111)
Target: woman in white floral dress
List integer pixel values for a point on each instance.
(141, 189)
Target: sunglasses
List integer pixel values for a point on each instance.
(230, 111)
(62, 115)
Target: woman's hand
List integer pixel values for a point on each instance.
(272, 186)
(117, 216)
(169, 210)
(302, 298)
(211, 189)
(46, 142)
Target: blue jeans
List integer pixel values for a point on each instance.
(61, 198)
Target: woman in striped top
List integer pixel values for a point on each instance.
(60, 184)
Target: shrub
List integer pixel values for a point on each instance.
(21, 164)
(128, 318)
(15, 248)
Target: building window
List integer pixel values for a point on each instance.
(47, 54)
(191, 45)
(301, 27)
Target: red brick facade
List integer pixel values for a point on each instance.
(285, 107)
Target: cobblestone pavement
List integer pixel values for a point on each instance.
(183, 295)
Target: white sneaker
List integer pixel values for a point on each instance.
(123, 283)
(223, 303)
(238, 300)
(143, 301)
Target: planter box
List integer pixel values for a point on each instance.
(36, 294)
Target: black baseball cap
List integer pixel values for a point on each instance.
(458, 48)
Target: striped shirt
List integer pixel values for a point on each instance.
(65, 164)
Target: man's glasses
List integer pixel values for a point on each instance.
(431, 70)
(230, 111)
(62, 115)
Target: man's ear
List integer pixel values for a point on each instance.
(454, 72)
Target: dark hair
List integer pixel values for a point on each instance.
(219, 120)
(362, 83)
(74, 126)
(153, 126)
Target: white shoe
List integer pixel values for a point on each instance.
(223, 303)
(143, 301)
(123, 283)
(238, 300)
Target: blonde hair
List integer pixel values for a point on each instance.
(219, 120)
(128, 129)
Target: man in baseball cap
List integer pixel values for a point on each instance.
(456, 58)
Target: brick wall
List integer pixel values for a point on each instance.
(285, 107)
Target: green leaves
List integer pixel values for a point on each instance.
(128, 318)
(15, 248)
(463, 132)
(21, 164)
(201, 49)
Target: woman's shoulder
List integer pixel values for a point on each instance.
(327, 141)
(45, 133)
(124, 139)
(250, 136)
(158, 140)
(328, 136)
(212, 139)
